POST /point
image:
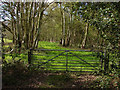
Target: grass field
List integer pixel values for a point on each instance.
(58, 60)
(62, 60)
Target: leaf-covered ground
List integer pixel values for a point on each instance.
(19, 76)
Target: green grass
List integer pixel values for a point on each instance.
(7, 40)
(56, 62)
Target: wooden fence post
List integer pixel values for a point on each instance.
(29, 56)
(101, 57)
(106, 61)
(66, 61)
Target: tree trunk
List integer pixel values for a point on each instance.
(2, 42)
(69, 31)
(39, 26)
(18, 28)
(63, 26)
(85, 36)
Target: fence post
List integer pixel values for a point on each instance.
(106, 62)
(101, 61)
(67, 61)
(29, 56)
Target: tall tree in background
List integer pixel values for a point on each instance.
(63, 24)
(51, 30)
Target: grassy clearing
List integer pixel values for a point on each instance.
(85, 61)
(62, 61)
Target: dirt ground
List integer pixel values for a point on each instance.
(48, 80)
(18, 76)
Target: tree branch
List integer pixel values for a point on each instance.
(6, 27)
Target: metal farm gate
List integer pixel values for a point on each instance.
(64, 60)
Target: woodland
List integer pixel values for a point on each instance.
(51, 27)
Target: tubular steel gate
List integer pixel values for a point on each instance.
(64, 60)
